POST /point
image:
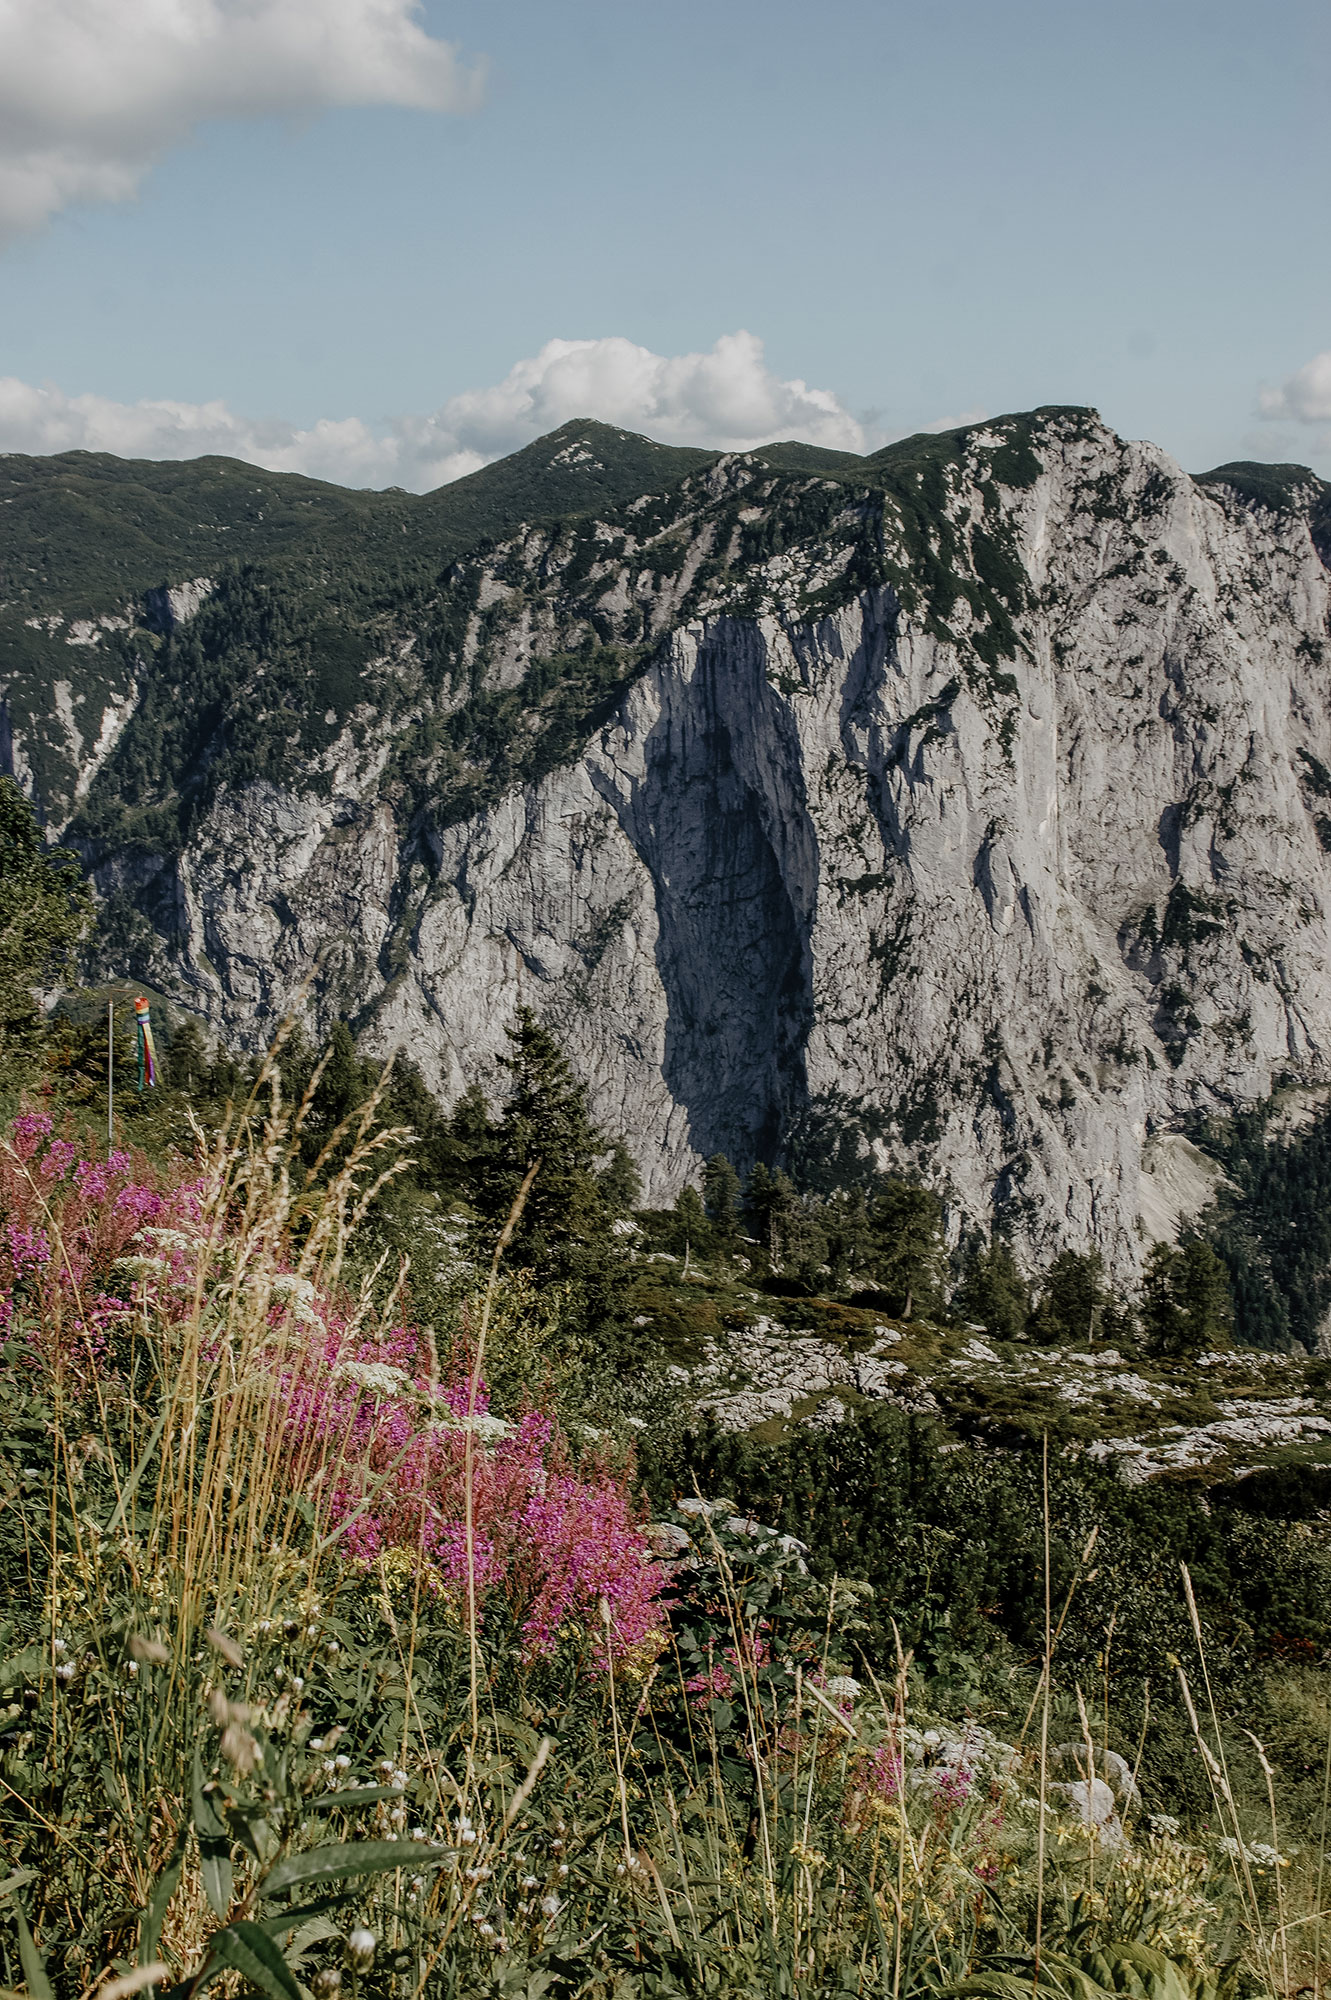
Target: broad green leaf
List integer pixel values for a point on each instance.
(354, 1857)
(218, 1876)
(34, 1966)
(25, 1666)
(247, 1949)
(214, 1847)
(207, 1819)
(246, 1824)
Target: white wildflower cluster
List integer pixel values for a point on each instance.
(170, 1239)
(300, 1295)
(487, 1428)
(938, 1756)
(1257, 1853)
(141, 1267)
(380, 1378)
(1164, 1826)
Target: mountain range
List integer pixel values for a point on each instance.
(965, 808)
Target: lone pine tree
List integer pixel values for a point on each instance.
(564, 1236)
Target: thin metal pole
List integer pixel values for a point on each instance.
(110, 1076)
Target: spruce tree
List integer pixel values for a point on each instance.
(469, 1126)
(909, 1253)
(993, 1291)
(799, 1237)
(344, 1086)
(759, 1197)
(295, 1062)
(1075, 1305)
(850, 1237)
(564, 1234)
(787, 1228)
(692, 1233)
(186, 1064)
(720, 1196)
(1186, 1304)
(621, 1183)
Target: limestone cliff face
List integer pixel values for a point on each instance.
(990, 824)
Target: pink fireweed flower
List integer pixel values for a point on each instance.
(716, 1682)
(60, 1235)
(27, 1247)
(953, 1783)
(550, 1539)
(28, 1131)
(886, 1772)
(144, 1204)
(364, 1422)
(56, 1162)
(94, 1179)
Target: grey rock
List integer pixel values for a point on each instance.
(1092, 1802)
(1107, 1765)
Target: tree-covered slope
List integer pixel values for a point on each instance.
(82, 531)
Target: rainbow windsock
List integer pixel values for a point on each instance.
(147, 1050)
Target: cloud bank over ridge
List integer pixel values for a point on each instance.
(726, 398)
(92, 92)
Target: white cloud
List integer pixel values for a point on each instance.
(93, 91)
(727, 398)
(1302, 406)
(1306, 397)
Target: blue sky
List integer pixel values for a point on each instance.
(926, 211)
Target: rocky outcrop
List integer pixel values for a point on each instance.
(981, 814)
